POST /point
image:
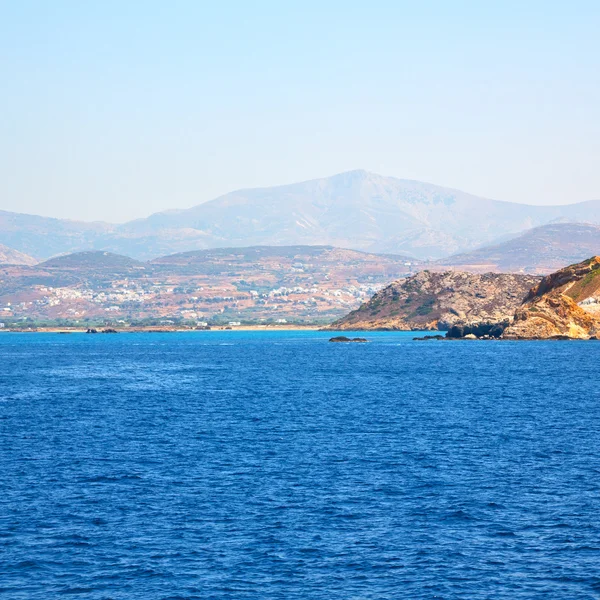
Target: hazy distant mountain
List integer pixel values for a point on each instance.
(43, 237)
(357, 210)
(8, 256)
(540, 250)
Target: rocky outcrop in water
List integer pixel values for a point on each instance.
(488, 329)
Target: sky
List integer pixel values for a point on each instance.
(115, 110)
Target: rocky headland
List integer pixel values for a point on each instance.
(437, 301)
(563, 305)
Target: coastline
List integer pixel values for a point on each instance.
(167, 329)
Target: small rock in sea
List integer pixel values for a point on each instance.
(429, 337)
(110, 331)
(343, 338)
(92, 331)
(470, 336)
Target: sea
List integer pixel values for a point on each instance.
(276, 465)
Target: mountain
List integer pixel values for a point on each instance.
(430, 300)
(8, 256)
(357, 210)
(540, 250)
(43, 237)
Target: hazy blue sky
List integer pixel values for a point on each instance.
(114, 110)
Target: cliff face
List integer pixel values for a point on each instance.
(438, 300)
(566, 303)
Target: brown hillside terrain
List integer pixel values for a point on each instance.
(437, 300)
(301, 284)
(565, 303)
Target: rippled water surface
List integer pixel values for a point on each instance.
(262, 465)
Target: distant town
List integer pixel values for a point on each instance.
(219, 288)
(127, 301)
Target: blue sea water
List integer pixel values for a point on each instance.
(259, 465)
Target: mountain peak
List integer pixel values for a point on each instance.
(353, 176)
(355, 209)
(357, 173)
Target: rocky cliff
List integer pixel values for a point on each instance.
(430, 300)
(564, 304)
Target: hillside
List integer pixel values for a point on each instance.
(270, 259)
(565, 303)
(357, 210)
(540, 250)
(257, 284)
(8, 256)
(92, 260)
(430, 300)
(45, 237)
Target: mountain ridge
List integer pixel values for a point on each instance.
(356, 209)
(540, 250)
(10, 256)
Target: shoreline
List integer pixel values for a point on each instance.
(267, 328)
(100, 330)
